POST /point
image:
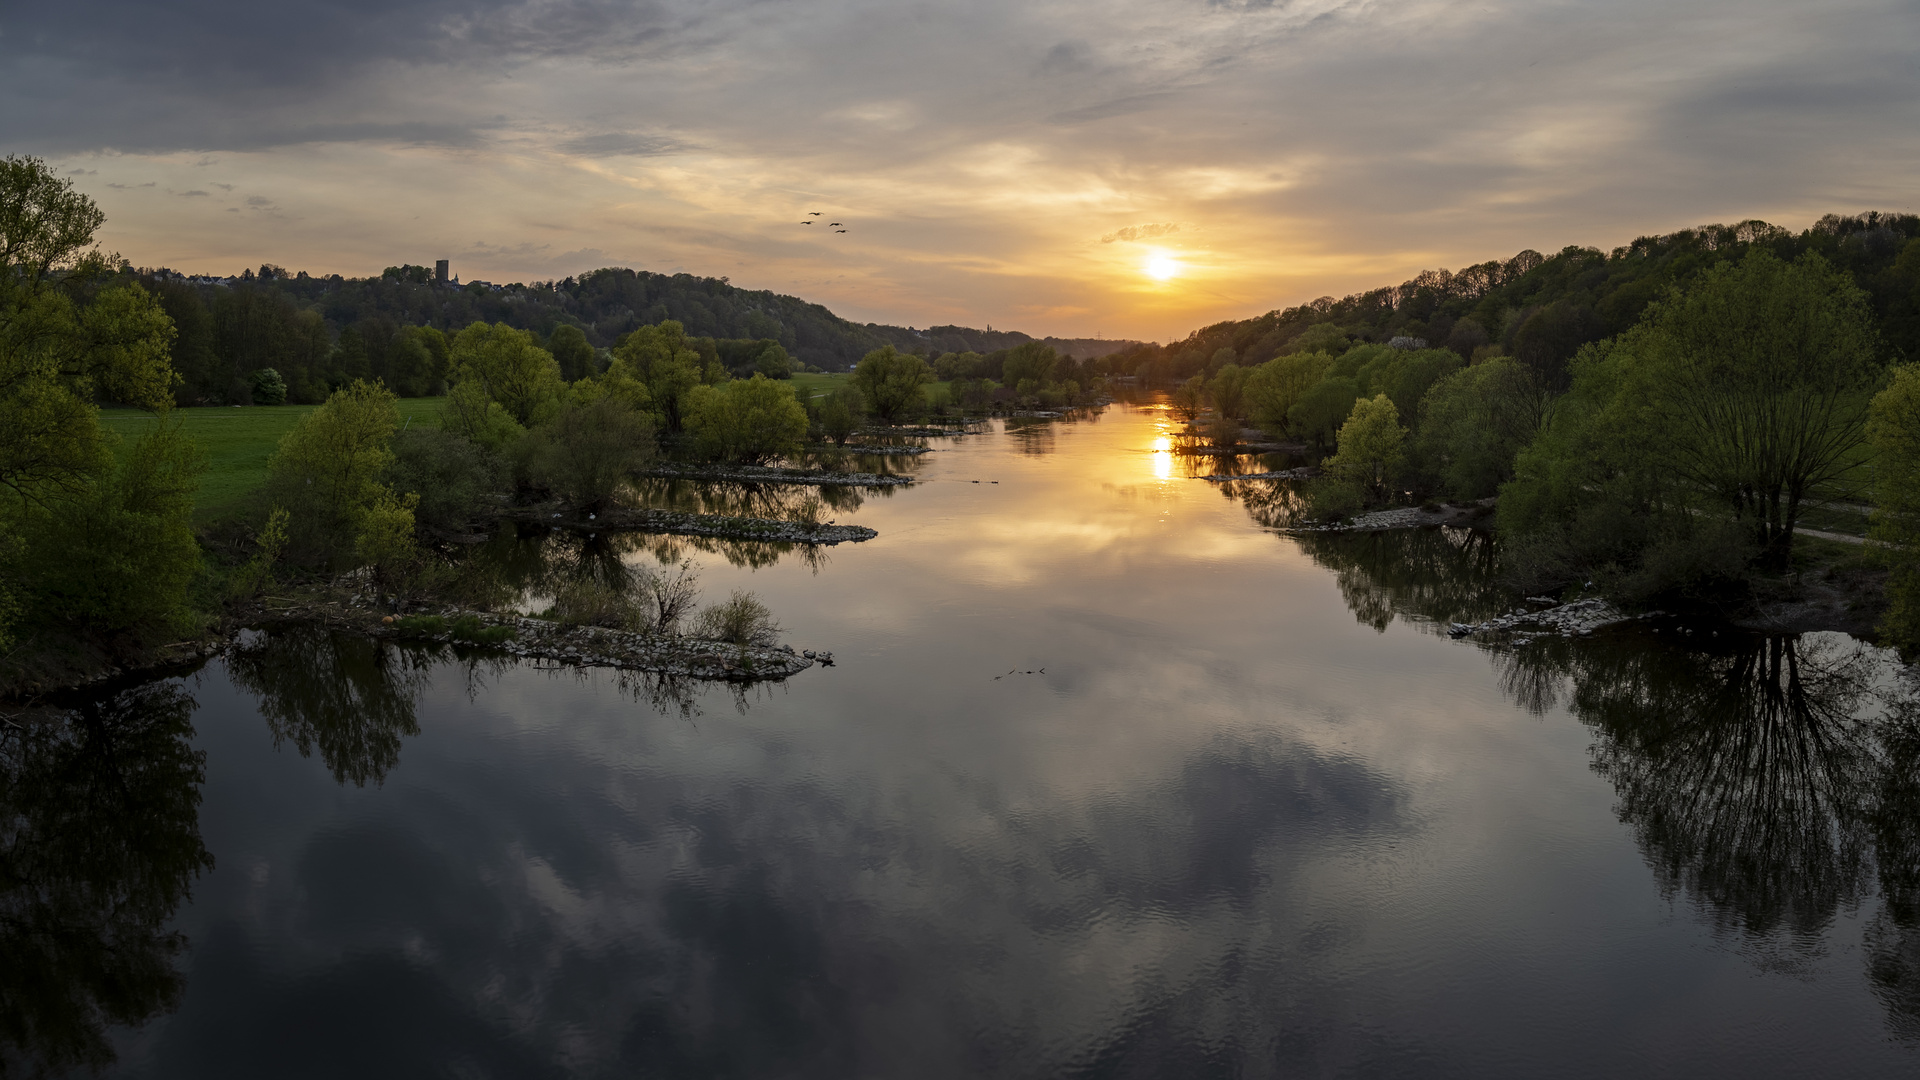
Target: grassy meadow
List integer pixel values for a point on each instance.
(239, 440)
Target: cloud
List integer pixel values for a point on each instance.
(1141, 232)
(619, 144)
(191, 194)
(1306, 147)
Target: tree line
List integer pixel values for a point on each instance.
(1541, 310)
(317, 334)
(1672, 460)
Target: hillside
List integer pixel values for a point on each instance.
(319, 330)
(1542, 309)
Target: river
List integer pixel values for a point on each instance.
(1108, 779)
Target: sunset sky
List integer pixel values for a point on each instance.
(1127, 168)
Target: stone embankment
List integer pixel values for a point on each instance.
(1576, 619)
(1305, 472)
(768, 474)
(596, 646)
(1408, 517)
(687, 523)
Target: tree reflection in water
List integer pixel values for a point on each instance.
(349, 697)
(100, 844)
(1428, 577)
(1775, 781)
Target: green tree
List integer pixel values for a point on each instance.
(1321, 410)
(118, 558)
(1473, 425)
(521, 377)
(269, 388)
(1228, 391)
(892, 383)
(59, 484)
(1760, 376)
(417, 361)
(1371, 444)
(1894, 427)
(329, 471)
(57, 356)
(1030, 360)
(448, 473)
(773, 362)
(841, 414)
(662, 359)
(589, 450)
(572, 352)
(746, 420)
(1274, 388)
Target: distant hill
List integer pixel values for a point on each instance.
(1541, 309)
(324, 329)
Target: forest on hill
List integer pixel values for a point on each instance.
(1541, 309)
(318, 333)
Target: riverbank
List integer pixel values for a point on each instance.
(770, 474)
(687, 523)
(346, 606)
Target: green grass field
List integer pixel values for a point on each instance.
(238, 441)
(808, 385)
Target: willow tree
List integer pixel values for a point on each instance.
(1757, 381)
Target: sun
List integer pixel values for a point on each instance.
(1162, 266)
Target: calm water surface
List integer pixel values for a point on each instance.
(1109, 780)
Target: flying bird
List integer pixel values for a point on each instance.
(833, 223)
(806, 223)
(839, 230)
(815, 213)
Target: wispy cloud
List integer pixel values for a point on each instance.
(1303, 146)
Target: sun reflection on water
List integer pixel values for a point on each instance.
(1162, 457)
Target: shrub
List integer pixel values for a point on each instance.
(328, 470)
(590, 602)
(669, 597)
(588, 451)
(841, 414)
(892, 383)
(1188, 398)
(268, 388)
(449, 474)
(1370, 445)
(1223, 432)
(1320, 410)
(742, 620)
(120, 556)
(747, 420)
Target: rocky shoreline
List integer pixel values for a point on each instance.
(1553, 619)
(768, 474)
(1304, 472)
(1410, 517)
(519, 637)
(687, 523)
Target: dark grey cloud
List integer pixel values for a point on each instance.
(619, 144)
(1106, 110)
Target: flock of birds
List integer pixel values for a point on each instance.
(811, 214)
